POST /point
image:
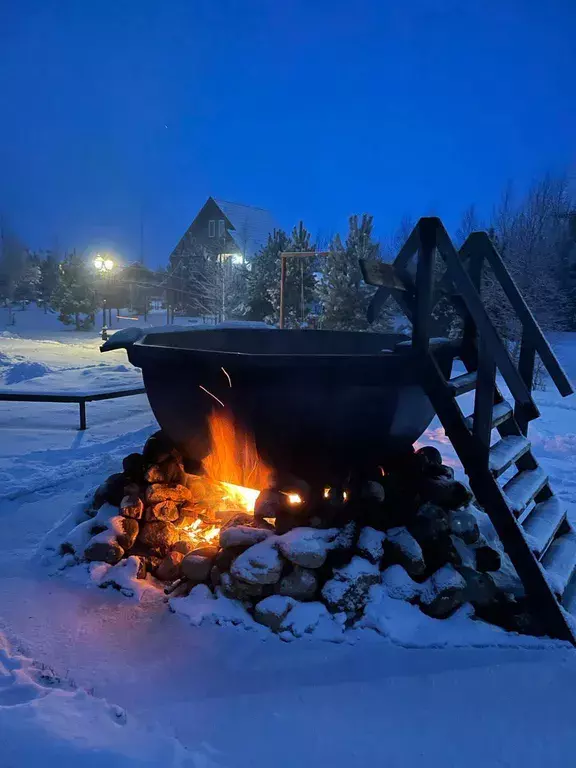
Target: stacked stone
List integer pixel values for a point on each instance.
(140, 512)
(414, 530)
(437, 559)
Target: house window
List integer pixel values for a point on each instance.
(221, 229)
(211, 228)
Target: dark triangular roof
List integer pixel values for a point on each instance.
(251, 225)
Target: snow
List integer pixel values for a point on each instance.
(542, 522)
(506, 450)
(199, 695)
(201, 606)
(521, 489)
(48, 721)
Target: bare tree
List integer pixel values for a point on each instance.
(468, 224)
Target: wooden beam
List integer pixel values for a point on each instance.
(421, 328)
(526, 365)
(484, 400)
(379, 273)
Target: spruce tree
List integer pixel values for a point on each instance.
(49, 277)
(300, 285)
(27, 287)
(342, 291)
(264, 278)
(74, 297)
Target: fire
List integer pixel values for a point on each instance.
(234, 459)
(294, 498)
(233, 477)
(245, 497)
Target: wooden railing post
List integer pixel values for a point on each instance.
(526, 365)
(484, 399)
(421, 326)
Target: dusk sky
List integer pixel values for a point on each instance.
(314, 109)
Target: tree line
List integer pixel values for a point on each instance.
(533, 231)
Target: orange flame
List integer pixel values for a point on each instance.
(234, 459)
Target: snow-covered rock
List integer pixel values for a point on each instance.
(399, 585)
(272, 611)
(301, 584)
(126, 576)
(311, 619)
(307, 547)
(405, 550)
(442, 592)
(243, 536)
(348, 588)
(203, 607)
(260, 564)
(371, 544)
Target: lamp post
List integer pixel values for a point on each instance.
(104, 267)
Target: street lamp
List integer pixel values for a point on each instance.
(104, 265)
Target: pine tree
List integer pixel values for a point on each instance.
(264, 278)
(27, 287)
(12, 261)
(300, 285)
(342, 292)
(74, 297)
(49, 276)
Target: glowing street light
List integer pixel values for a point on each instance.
(103, 264)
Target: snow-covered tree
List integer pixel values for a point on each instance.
(264, 278)
(49, 277)
(342, 292)
(27, 287)
(74, 296)
(530, 233)
(12, 260)
(300, 285)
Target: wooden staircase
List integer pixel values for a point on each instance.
(504, 475)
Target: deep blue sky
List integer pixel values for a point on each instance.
(311, 108)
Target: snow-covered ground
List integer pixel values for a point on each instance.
(120, 682)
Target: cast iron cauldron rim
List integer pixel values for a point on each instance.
(403, 352)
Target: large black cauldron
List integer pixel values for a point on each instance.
(317, 402)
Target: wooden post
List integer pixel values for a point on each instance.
(526, 365)
(484, 399)
(282, 287)
(82, 404)
(424, 285)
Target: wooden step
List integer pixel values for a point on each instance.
(560, 561)
(523, 487)
(569, 596)
(507, 451)
(542, 524)
(459, 385)
(500, 413)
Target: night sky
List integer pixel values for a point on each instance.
(315, 109)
